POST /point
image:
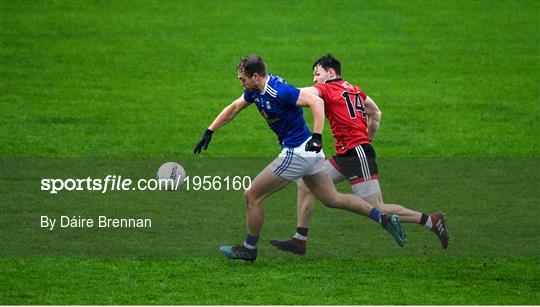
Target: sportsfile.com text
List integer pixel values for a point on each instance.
(119, 183)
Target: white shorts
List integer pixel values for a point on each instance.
(295, 163)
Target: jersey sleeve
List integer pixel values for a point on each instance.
(248, 96)
(288, 94)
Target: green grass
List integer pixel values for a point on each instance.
(102, 79)
(457, 82)
(217, 281)
(492, 258)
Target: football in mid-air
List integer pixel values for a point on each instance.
(174, 174)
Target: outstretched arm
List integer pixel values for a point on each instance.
(374, 117)
(226, 115)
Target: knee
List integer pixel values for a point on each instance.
(250, 198)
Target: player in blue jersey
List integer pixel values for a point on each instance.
(301, 155)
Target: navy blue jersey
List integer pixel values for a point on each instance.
(277, 104)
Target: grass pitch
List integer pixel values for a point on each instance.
(86, 85)
(270, 281)
(120, 79)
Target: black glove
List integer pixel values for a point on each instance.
(315, 143)
(203, 143)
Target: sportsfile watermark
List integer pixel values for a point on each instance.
(114, 221)
(120, 183)
(142, 207)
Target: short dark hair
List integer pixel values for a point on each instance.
(251, 64)
(328, 61)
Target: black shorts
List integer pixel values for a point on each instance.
(357, 164)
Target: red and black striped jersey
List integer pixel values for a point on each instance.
(344, 108)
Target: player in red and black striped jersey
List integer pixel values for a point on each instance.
(354, 118)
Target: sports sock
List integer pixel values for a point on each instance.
(251, 242)
(426, 221)
(376, 214)
(301, 233)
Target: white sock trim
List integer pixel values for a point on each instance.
(300, 237)
(249, 246)
(429, 223)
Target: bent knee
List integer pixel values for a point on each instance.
(252, 199)
(249, 197)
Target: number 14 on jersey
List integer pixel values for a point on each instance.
(358, 105)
